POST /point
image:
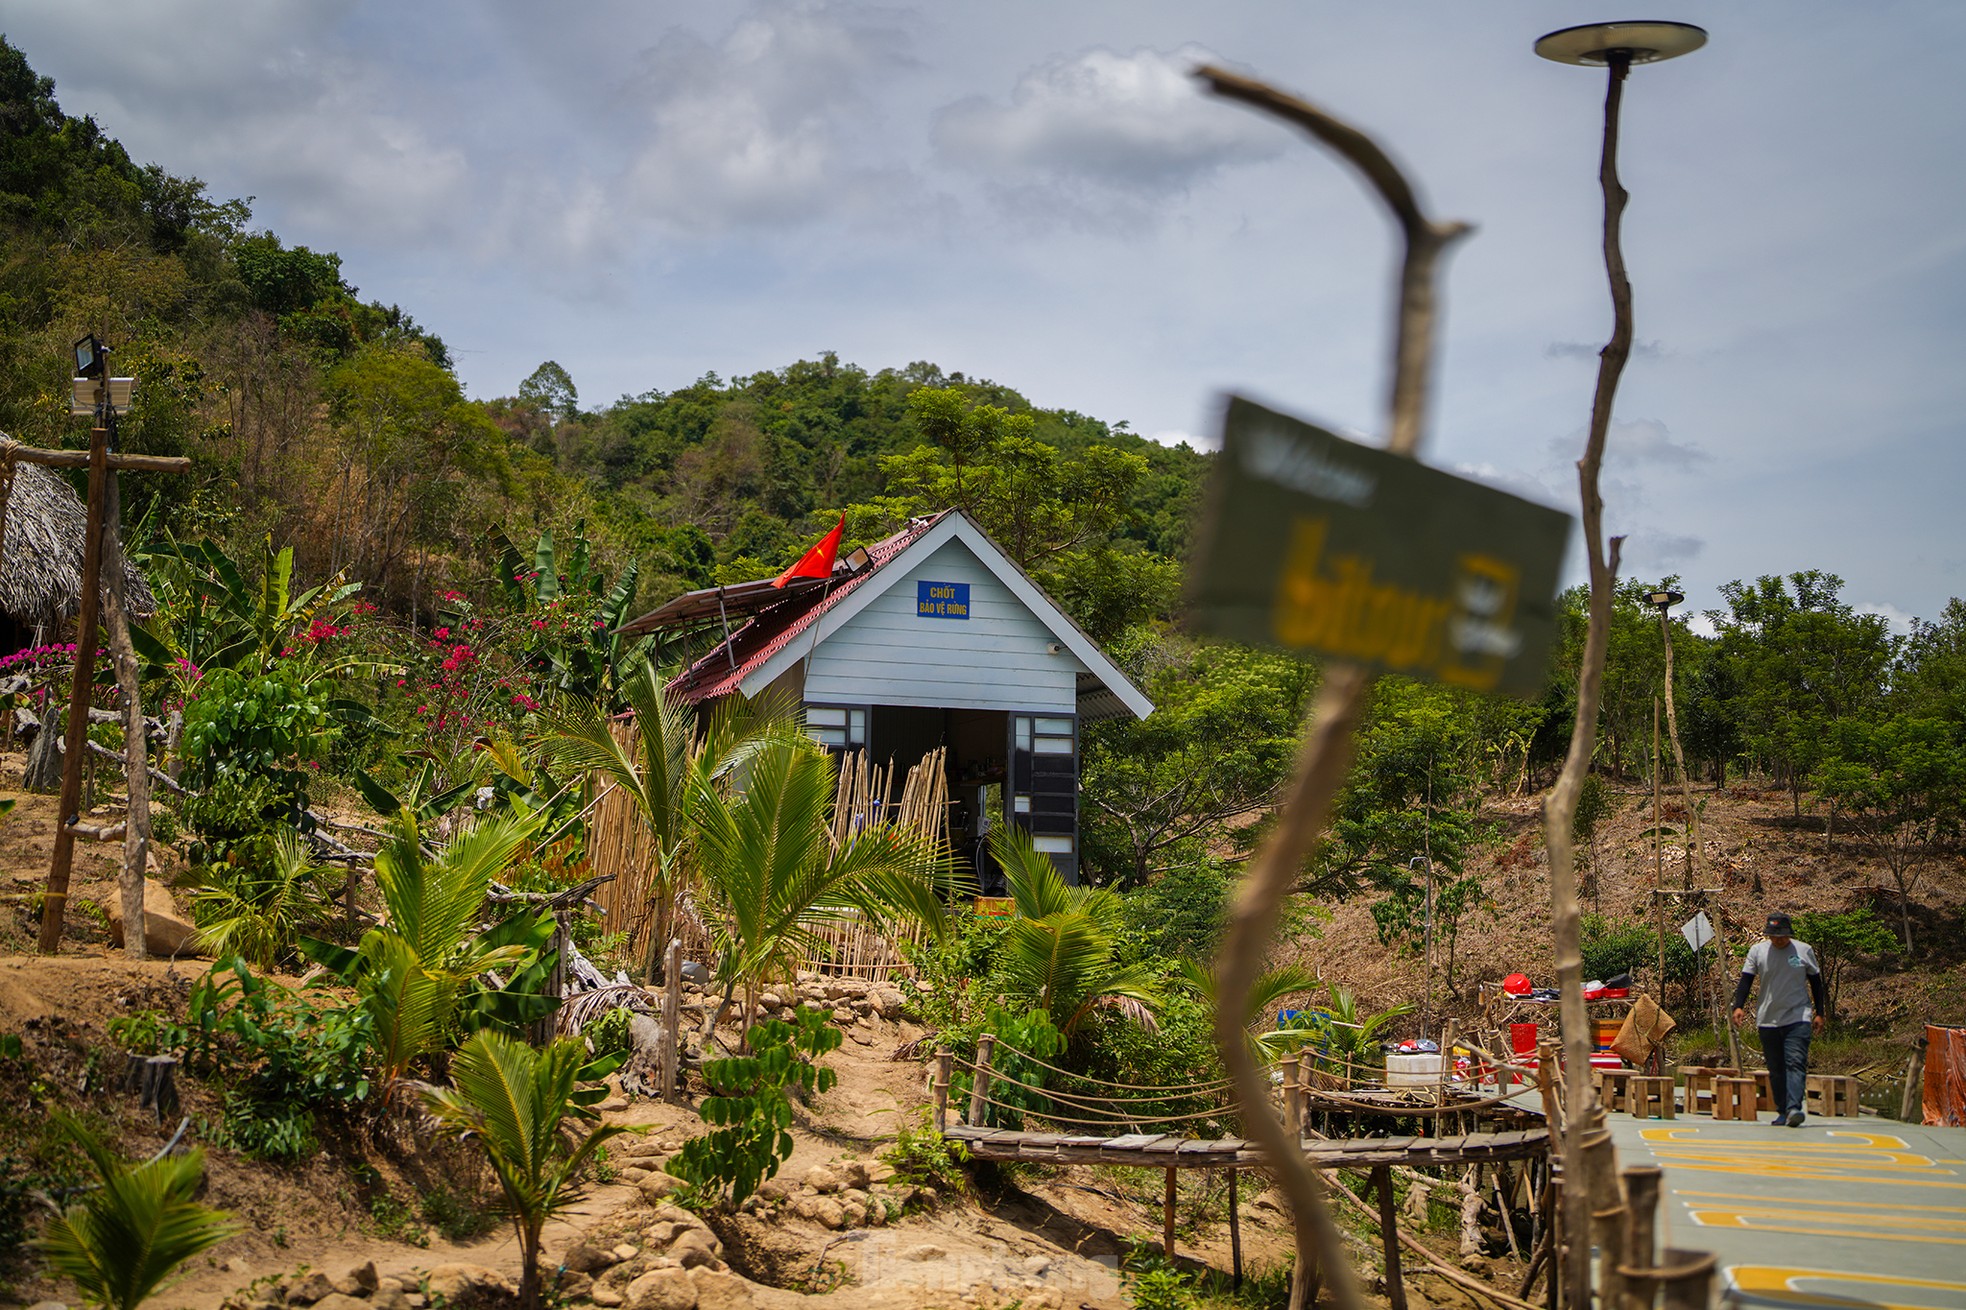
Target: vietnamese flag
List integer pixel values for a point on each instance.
(817, 562)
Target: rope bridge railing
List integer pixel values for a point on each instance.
(1088, 1102)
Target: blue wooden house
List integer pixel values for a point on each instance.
(930, 638)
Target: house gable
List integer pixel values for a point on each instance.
(998, 656)
(1016, 650)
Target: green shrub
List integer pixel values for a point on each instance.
(281, 1057)
(456, 1215)
(1181, 913)
(926, 1158)
(753, 1118)
(608, 1035)
(1162, 1288)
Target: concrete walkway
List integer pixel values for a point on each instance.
(1848, 1213)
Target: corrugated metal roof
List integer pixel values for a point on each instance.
(724, 669)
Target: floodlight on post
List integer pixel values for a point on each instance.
(91, 357)
(1663, 600)
(1616, 47)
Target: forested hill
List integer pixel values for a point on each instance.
(334, 422)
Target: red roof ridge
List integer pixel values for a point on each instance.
(723, 669)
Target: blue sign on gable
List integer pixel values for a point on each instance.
(941, 600)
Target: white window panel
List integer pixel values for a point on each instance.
(856, 731)
(1020, 805)
(828, 736)
(825, 716)
(1054, 746)
(1053, 727)
(1052, 845)
(1023, 733)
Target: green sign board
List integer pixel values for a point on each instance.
(1322, 546)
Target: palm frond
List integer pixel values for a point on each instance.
(142, 1222)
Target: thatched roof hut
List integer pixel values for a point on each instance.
(41, 557)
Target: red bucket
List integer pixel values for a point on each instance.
(1522, 1036)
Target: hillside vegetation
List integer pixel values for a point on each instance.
(385, 661)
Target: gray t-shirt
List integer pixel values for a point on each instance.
(1784, 975)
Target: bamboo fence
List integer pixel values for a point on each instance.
(844, 946)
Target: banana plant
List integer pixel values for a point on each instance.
(215, 618)
(585, 665)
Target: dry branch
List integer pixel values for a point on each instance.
(1327, 751)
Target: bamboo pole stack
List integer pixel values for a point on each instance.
(618, 842)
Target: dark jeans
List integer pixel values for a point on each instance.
(1787, 1051)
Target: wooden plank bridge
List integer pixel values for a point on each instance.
(1096, 1143)
(1166, 1151)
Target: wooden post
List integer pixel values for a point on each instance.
(1608, 1216)
(1687, 1278)
(1546, 1084)
(1167, 1219)
(1912, 1102)
(1235, 1237)
(55, 905)
(136, 747)
(979, 1086)
(945, 1060)
(1448, 1032)
(672, 1019)
(1293, 1103)
(1382, 1178)
(1642, 1196)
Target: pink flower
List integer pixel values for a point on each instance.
(441, 633)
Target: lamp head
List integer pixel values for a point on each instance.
(1663, 600)
(90, 357)
(1593, 45)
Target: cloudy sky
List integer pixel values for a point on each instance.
(1036, 193)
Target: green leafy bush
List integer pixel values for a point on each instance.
(750, 1109)
(926, 1158)
(262, 731)
(281, 1057)
(608, 1035)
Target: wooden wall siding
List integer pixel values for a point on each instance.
(995, 659)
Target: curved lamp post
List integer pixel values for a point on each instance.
(1615, 47)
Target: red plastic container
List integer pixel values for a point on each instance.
(1522, 1036)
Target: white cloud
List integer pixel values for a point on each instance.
(1634, 443)
(1649, 548)
(1900, 620)
(757, 128)
(1133, 122)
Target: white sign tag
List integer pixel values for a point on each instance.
(1697, 931)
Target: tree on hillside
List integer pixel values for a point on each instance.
(1167, 791)
(1840, 940)
(551, 389)
(1412, 794)
(1930, 677)
(1802, 659)
(1902, 783)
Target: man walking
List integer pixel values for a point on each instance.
(1790, 980)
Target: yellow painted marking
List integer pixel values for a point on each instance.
(1689, 1132)
(1869, 1227)
(1777, 1282)
(1849, 1157)
(1807, 1200)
